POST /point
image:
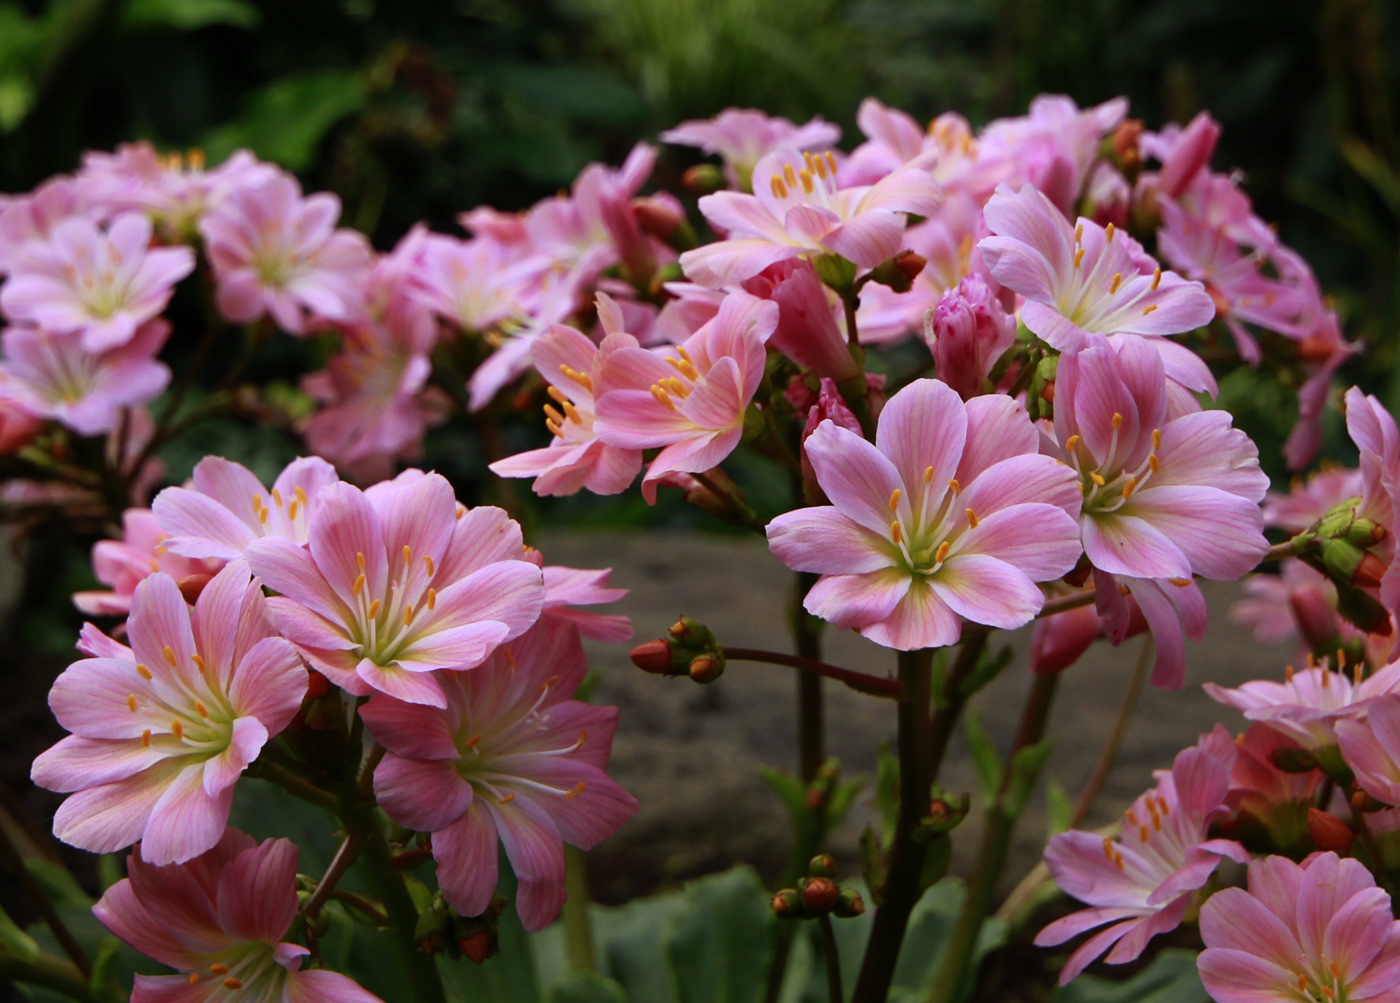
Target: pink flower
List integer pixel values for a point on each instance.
(1373, 430)
(968, 332)
(1372, 749)
(946, 149)
(1053, 146)
(34, 217)
(1321, 353)
(566, 589)
(1260, 791)
(102, 284)
(1143, 882)
(828, 406)
(54, 376)
(162, 731)
(276, 252)
(123, 564)
(1307, 705)
(1321, 930)
(950, 514)
(398, 582)
(511, 757)
(690, 401)
(742, 136)
(1087, 279)
(572, 366)
(226, 507)
(797, 210)
(475, 284)
(807, 331)
(219, 921)
(1311, 499)
(1183, 153)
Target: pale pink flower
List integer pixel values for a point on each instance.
(566, 589)
(572, 365)
(161, 732)
(510, 757)
(478, 284)
(276, 252)
(123, 564)
(1372, 749)
(968, 332)
(1054, 145)
(1143, 882)
(219, 920)
(226, 507)
(1263, 795)
(798, 210)
(1308, 704)
(1310, 499)
(398, 582)
(743, 136)
(54, 376)
(1315, 931)
(950, 514)
(33, 217)
(689, 400)
(946, 149)
(1085, 279)
(103, 284)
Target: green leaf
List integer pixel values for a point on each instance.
(1170, 978)
(1025, 770)
(1377, 173)
(984, 756)
(586, 987)
(187, 15)
(58, 883)
(286, 120)
(842, 799)
(989, 666)
(791, 790)
(630, 946)
(1060, 809)
(720, 939)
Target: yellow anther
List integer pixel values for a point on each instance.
(1156, 439)
(582, 379)
(1356, 671)
(203, 710)
(1117, 420)
(510, 658)
(146, 739)
(374, 609)
(1288, 673)
(680, 350)
(1156, 279)
(407, 555)
(941, 554)
(779, 191)
(789, 176)
(177, 729)
(1096, 477)
(432, 598)
(819, 165)
(953, 482)
(1153, 463)
(257, 502)
(408, 615)
(896, 534)
(557, 394)
(1131, 817)
(1180, 583)
(662, 398)
(461, 511)
(1071, 444)
(360, 560)
(806, 178)
(1326, 676)
(1341, 659)
(143, 672)
(972, 518)
(551, 413)
(359, 585)
(232, 983)
(131, 702)
(807, 159)
(219, 969)
(549, 682)
(575, 790)
(1079, 233)
(1129, 488)
(1078, 257)
(292, 509)
(277, 497)
(471, 743)
(831, 162)
(262, 516)
(169, 656)
(1117, 281)
(1148, 309)
(508, 798)
(554, 430)
(1142, 833)
(895, 495)
(572, 413)
(428, 563)
(1156, 823)
(194, 978)
(1108, 233)
(1118, 860)
(1108, 847)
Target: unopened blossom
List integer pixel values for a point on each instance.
(1058, 641)
(828, 406)
(951, 513)
(509, 757)
(1085, 279)
(1054, 145)
(53, 376)
(1318, 932)
(1184, 152)
(1307, 705)
(226, 507)
(572, 365)
(743, 136)
(968, 333)
(398, 582)
(1143, 881)
(123, 564)
(1321, 352)
(277, 252)
(798, 210)
(162, 731)
(1372, 749)
(807, 331)
(102, 284)
(219, 920)
(18, 427)
(1300, 603)
(691, 399)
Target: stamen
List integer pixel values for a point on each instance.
(169, 656)
(146, 739)
(407, 556)
(432, 598)
(508, 797)
(472, 744)
(461, 511)
(806, 178)
(552, 414)
(1117, 280)
(1078, 257)
(549, 682)
(232, 983)
(1341, 659)
(374, 609)
(953, 482)
(1118, 860)
(301, 496)
(1148, 309)
(1288, 673)
(359, 560)
(408, 615)
(1153, 463)
(662, 398)
(1096, 477)
(1072, 443)
(359, 585)
(1156, 439)
(896, 534)
(1156, 279)
(292, 509)
(203, 710)
(143, 672)
(789, 176)
(556, 393)
(1131, 816)
(262, 516)
(194, 978)
(177, 729)
(941, 554)
(510, 658)
(1079, 233)
(1108, 847)
(1142, 833)
(277, 497)
(1180, 583)
(1117, 421)
(219, 969)
(428, 563)
(819, 165)
(1356, 673)
(131, 702)
(1326, 676)
(895, 495)
(972, 518)
(1129, 488)
(572, 412)
(575, 791)
(779, 192)
(554, 430)
(831, 162)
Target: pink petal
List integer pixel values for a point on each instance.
(1124, 545)
(824, 541)
(257, 897)
(1220, 534)
(466, 856)
(186, 821)
(1236, 977)
(78, 763)
(922, 426)
(269, 684)
(410, 730)
(986, 590)
(868, 238)
(856, 476)
(108, 818)
(1040, 541)
(402, 684)
(245, 742)
(920, 620)
(426, 795)
(536, 853)
(855, 601)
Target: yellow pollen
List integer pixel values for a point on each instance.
(1156, 438)
(292, 509)
(232, 983)
(277, 497)
(807, 159)
(407, 556)
(549, 682)
(262, 516)
(1108, 233)
(676, 387)
(554, 430)
(432, 598)
(1153, 464)
(1341, 659)
(146, 739)
(1302, 983)
(169, 656)
(1156, 823)
(408, 615)
(941, 554)
(779, 191)
(510, 658)
(556, 393)
(1180, 583)
(461, 511)
(1071, 444)
(257, 502)
(1079, 233)
(131, 702)
(219, 969)
(789, 176)
(953, 482)
(471, 744)
(806, 178)
(831, 161)
(1117, 281)
(1117, 421)
(582, 379)
(508, 798)
(684, 366)
(359, 585)
(1131, 816)
(1288, 673)
(1148, 309)
(359, 560)
(1118, 860)
(1356, 673)
(1078, 257)
(194, 978)
(551, 413)
(1329, 992)
(1108, 847)
(1096, 477)
(972, 518)
(143, 672)
(428, 563)
(572, 412)
(203, 710)
(1142, 833)
(1336, 972)
(1326, 676)
(819, 165)
(374, 609)
(1166, 808)
(895, 495)
(1156, 279)
(177, 729)
(575, 791)
(896, 534)
(1129, 488)
(662, 398)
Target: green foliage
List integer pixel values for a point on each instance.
(286, 120)
(1170, 978)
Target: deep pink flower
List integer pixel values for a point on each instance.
(510, 757)
(1320, 930)
(219, 921)
(54, 376)
(577, 458)
(1372, 749)
(226, 507)
(1261, 792)
(1143, 881)
(968, 332)
(1308, 704)
(797, 210)
(743, 136)
(398, 582)
(123, 564)
(950, 514)
(101, 284)
(1054, 145)
(162, 731)
(690, 400)
(1321, 353)
(808, 332)
(1183, 153)
(276, 252)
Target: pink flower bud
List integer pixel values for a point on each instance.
(1317, 621)
(830, 405)
(1189, 156)
(1329, 832)
(17, 427)
(968, 332)
(807, 331)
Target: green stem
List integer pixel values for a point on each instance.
(50, 972)
(811, 726)
(902, 890)
(578, 927)
(293, 784)
(991, 857)
(419, 968)
(832, 957)
(10, 853)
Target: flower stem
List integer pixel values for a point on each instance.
(14, 860)
(1104, 765)
(578, 927)
(832, 958)
(420, 969)
(861, 681)
(345, 855)
(996, 841)
(811, 726)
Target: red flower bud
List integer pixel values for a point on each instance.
(476, 946)
(653, 657)
(1329, 832)
(820, 894)
(317, 685)
(706, 669)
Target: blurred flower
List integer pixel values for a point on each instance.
(1307, 705)
(743, 136)
(967, 333)
(123, 564)
(1372, 749)
(1053, 146)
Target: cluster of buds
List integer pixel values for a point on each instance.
(1339, 546)
(441, 928)
(818, 894)
(690, 650)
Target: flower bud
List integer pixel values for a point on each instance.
(831, 406)
(653, 657)
(658, 216)
(192, 585)
(787, 904)
(476, 946)
(807, 331)
(1125, 143)
(706, 669)
(702, 179)
(968, 331)
(823, 865)
(1189, 156)
(1329, 832)
(317, 685)
(900, 271)
(848, 904)
(820, 895)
